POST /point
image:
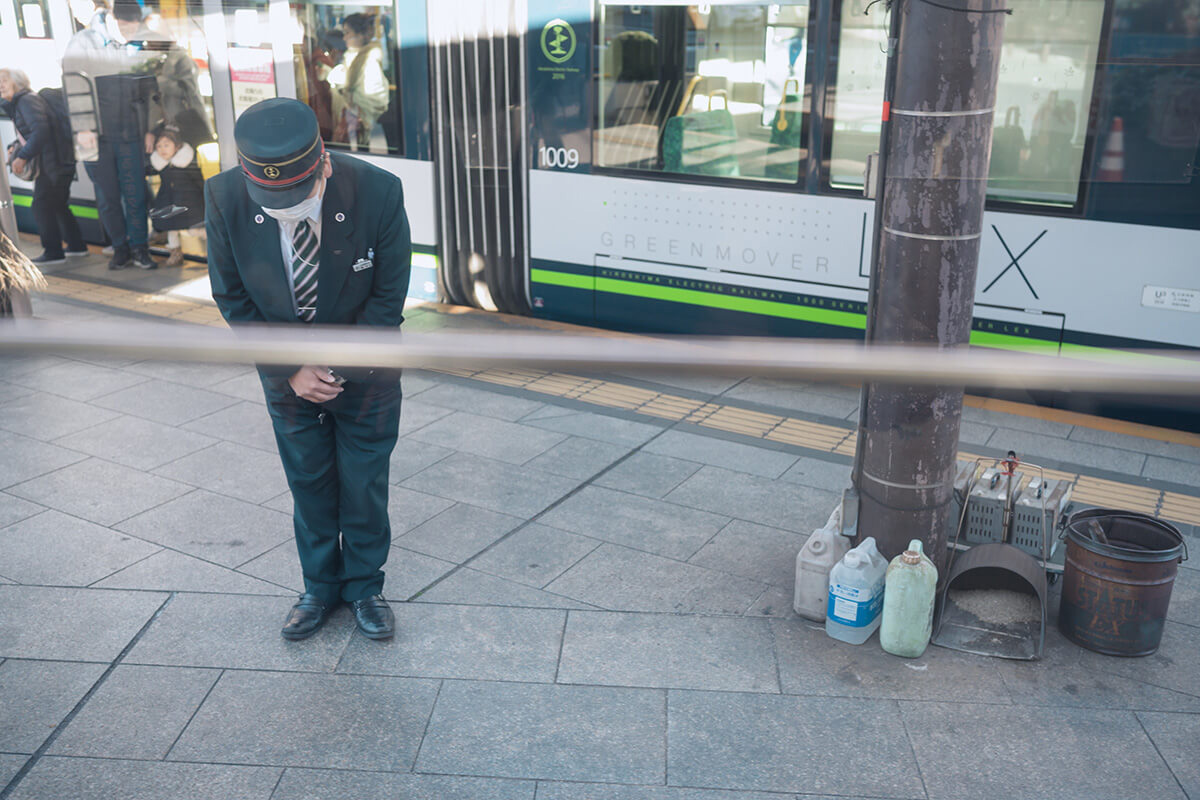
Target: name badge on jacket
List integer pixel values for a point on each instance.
(364, 263)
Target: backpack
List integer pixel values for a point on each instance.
(60, 122)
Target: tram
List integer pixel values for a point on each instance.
(699, 167)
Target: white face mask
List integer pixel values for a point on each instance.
(305, 209)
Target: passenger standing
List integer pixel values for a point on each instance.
(362, 84)
(38, 138)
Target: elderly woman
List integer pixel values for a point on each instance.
(36, 138)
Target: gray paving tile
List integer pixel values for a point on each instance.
(11, 391)
(974, 433)
(415, 415)
(13, 366)
(578, 457)
(457, 533)
(10, 765)
(600, 427)
(600, 791)
(137, 713)
(165, 402)
(53, 548)
(789, 744)
(721, 453)
(414, 382)
(619, 579)
(136, 443)
(547, 732)
(782, 505)
(309, 784)
(982, 751)
(1177, 739)
(1174, 666)
(1015, 422)
(410, 457)
(408, 509)
(1185, 598)
(472, 642)
(479, 401)
(488, 437)
(697, 383)
(472, 587)
(491, 484)
(648, 475)
(144, 780)
(1138, 444)
(238, 632)
(71, 624)
(254, 718)
(408, 573)
(668, 652)
(199, 375)
(808, 398)
(231, 469)
(212, 527)
(1167, 469)
(246, 387)
(169, 571)
(26, 458)
(1033, 446)
(767, 555)
(642, 523)
(76, 380)
(245, 423)
(14, 509)
(35, 696)
(810, 663)
(46, 417)
(279, 565)
(831, 476)
(535, 555)
(775, 602)
(100, 491)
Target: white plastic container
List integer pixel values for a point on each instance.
(824, 548)
(856, 594)
(908, 606)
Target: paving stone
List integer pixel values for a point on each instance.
(985, 751)
(76, 380)
(1166, 469)
(831, 476)
(668, 652)
(1177, 739)
(35, 696)
(619, 579)
(100, 491)
(238, 632)
(721, 453)
(408, 573)
(974, 433)
(414, 382)
(767, 555)
(578, 457)
(10, 765)
(810, 663)
(191, 373)
(408, 509)
(807, 398)
(789, 744)
(781, 505)
(165, 402)
(71, 624)
(535, 555)
(136, 443)
(13, 366)
(479, 401)
(457, 533)
(1185, 598)
(14, 509)
(144, 780)
(494, 485)
(410, 457)
(1174, 666)
(169, 571)
(256, 718)
(10, 390)
(1033, 446)
(415, 415)
(245, 423)
(53, 548)
(309, 784)
(246, 387)
(279, 565)
(648, 475)
(488, 437)
(471, 587)
(231, 469)
(547, 732)
(213, 527)
(1138, 444)
(775, 602)
(638, 522)
(471, 642)
(138, 712)
(600, 427)
(46, 417)
(1015, 422)
(699, 384)
(600, 791)
(26, 458)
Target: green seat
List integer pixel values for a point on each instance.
(701, 143)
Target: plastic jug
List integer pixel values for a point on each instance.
(824, 548)
(908, 605)
(856, 594)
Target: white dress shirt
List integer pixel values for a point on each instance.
(287, 229)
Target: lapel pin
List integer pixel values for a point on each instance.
(258, 218)
(340, 217)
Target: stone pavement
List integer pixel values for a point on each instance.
(592, 604)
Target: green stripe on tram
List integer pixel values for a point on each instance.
(83, 212)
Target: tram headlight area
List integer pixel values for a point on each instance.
(1140, 373)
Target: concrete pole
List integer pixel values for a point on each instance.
(929, 220)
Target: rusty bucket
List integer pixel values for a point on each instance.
(1120, 569)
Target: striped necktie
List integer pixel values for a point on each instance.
(305, 258)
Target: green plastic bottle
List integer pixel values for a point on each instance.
(908, 603)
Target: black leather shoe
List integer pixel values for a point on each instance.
(374, 617)
(305, 618)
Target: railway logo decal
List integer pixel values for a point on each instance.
(558, 41)
(1015, 261)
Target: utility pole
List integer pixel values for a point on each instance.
(934, 151)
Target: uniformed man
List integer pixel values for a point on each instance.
(298, 235)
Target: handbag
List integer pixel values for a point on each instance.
(30, 172)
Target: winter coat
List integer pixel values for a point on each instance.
(182, 185)
(32, 119)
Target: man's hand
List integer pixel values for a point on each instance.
(314, 384)
(18, 164)
(149, 143)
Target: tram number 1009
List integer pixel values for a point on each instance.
(558, 157)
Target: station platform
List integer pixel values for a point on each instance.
(592, 578)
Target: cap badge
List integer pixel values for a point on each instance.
(271, 171)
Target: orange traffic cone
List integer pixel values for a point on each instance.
(1112, 163)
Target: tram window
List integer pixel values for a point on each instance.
(347, 71)
(713, 89)
(33, 19)
(858, 95)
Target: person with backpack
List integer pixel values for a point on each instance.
(43, 134)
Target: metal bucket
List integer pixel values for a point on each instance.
(1117, 581)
